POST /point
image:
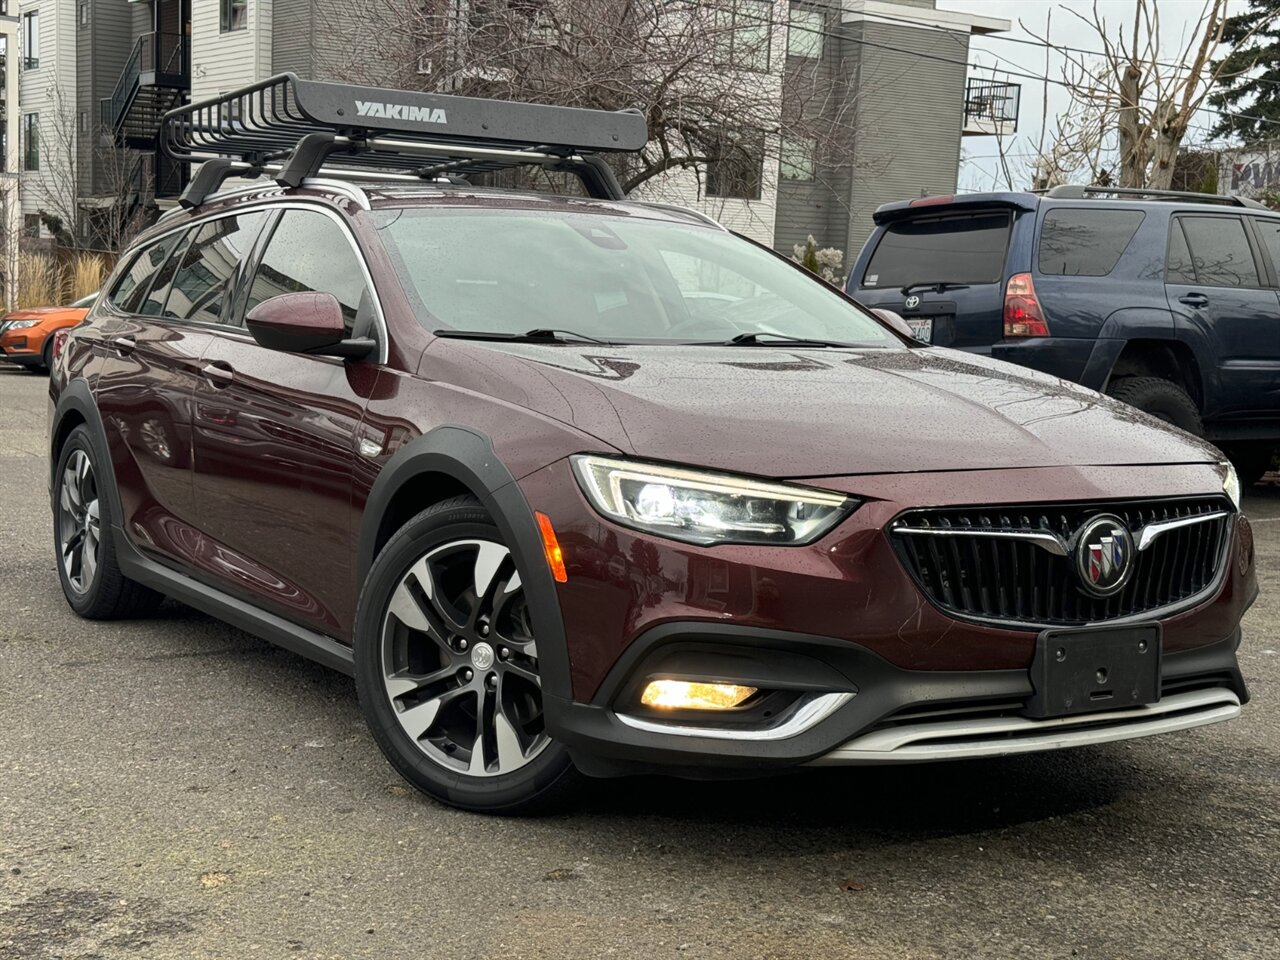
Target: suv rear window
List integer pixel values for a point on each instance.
(1085, 243)
(969, 248)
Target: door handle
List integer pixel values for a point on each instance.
(218, 373)
(124, 345)
(1194, 299)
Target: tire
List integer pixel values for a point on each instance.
(46, 355)
(87, 568)
(1163, 399)
(446, 667)
(1251, 460)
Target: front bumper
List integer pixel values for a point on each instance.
(861, 709)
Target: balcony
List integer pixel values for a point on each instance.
(155, 79)
(991, 108)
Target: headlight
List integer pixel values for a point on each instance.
(1231, 483)
(21, 324)
(707, 508)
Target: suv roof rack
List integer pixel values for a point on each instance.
(1073, 191)
(293, 129)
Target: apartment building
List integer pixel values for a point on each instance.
(882, 83)
(10, 114)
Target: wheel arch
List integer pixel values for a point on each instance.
(448, 461)
(74, 408)
(1168, 359)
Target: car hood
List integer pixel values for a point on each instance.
(816, 412)
(41, 313)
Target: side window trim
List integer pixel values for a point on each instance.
(1249, 237)
(110, 301)
(249, 268)
(179, 251)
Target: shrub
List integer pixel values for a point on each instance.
(828, 263)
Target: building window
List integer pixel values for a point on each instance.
(31, 224)
(84, 14)
(31, 40)
(739, 171)
(796, 162)
(82, 121)
(31, 141)
(804, 36)
(742, 30)
(235, 15)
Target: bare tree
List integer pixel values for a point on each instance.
(83, 176)
(1131, 108)
(704, 74)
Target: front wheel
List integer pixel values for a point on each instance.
(447, 669)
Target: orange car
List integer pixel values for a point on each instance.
(26, 336)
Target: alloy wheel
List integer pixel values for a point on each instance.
(79, 527)
(460, 662)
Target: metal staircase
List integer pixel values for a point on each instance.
(156, 78)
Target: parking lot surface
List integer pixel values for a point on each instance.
(175, 788)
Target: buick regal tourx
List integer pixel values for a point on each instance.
(579, 485)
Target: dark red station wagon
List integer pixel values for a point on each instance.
(576, 484)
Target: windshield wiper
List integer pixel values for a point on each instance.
(766, 339)
(537, 334)
(937, 286)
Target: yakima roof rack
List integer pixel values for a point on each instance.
(293, 129)
(1073, 191)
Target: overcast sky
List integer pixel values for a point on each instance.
(1178, 21)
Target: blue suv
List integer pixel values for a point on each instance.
(1168, 301)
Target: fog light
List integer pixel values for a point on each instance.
(687, 695)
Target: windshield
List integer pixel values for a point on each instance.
(615, 278)
(968, 248)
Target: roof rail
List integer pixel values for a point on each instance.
(687, 211)
(1074, 191)
(294, 129)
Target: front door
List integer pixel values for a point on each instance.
(1217, 287)
(276, 438)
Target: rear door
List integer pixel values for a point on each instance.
(148, 368)
(966, 249)
(276, 435)
(1218, 286)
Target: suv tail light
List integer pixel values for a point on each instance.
(1022, 314)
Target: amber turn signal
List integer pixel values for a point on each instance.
(551, 547)
(690, 695)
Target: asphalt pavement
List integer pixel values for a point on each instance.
(174, 788)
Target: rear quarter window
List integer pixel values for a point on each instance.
(1085, 243)
(961, 248)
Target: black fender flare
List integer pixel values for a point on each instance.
(468, 457)
(76, 397)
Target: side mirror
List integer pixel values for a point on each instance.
(305, 323)
(894, 320)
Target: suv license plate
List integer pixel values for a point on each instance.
(921, 328)
(1086, 670)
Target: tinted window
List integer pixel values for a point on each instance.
(629, 279)
(1085, 243)
(1179, 268)
(153, 303)
(310, 252)
(1220, 251)
(967, 249)
(1270, 230)
(201, 287)
(133, 284)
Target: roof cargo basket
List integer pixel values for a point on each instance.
(291, 129)
(1074, 191)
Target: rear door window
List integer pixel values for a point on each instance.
(968, 248)
(203, 283)
(1085, 243)
(1220, 252)
(1178, 266)
(133, 284)
(1269, 230)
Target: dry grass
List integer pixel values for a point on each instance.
(41, 281)
(86, 273)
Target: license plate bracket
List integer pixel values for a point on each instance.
(921, 328)
(1084, 670)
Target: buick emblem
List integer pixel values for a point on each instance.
(911, 302)
(1104, 555)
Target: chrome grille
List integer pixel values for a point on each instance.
(1017, 563)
